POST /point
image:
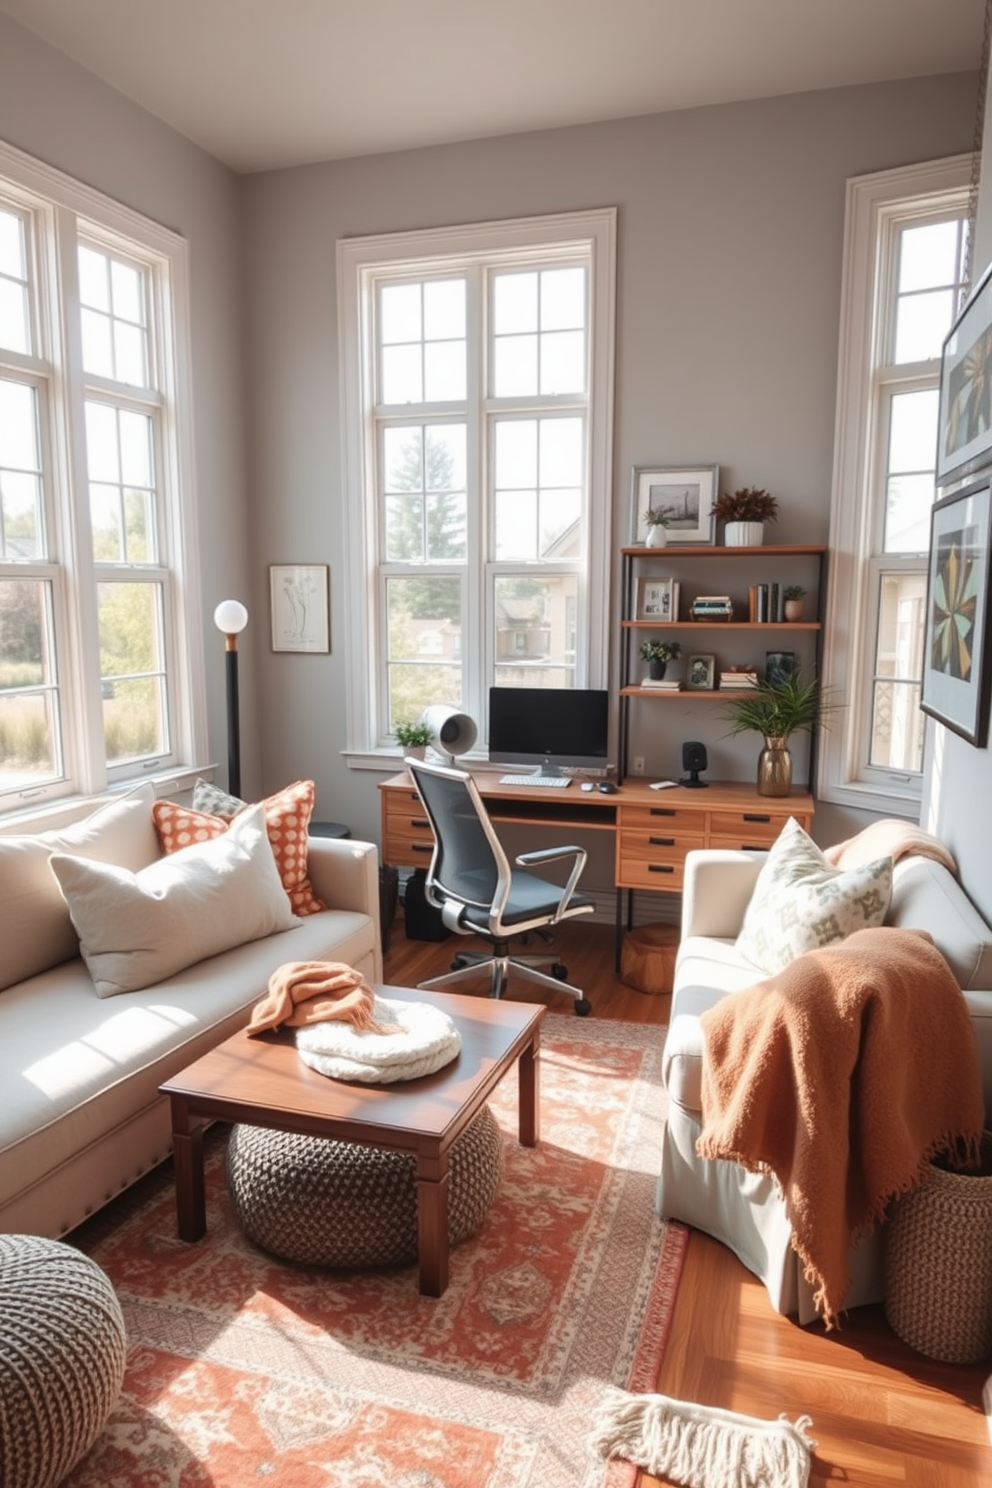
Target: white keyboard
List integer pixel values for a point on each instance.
(556, 781)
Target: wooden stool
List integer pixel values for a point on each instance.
(647, 960)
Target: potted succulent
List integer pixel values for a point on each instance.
(745, 512)
(658, 654)
(656, 520)
(413, 737)
(793, 596)
(789, 704)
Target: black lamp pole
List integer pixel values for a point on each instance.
(231, 617)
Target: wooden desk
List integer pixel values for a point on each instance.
(653, 830)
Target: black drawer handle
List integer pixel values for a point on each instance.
(423, 847)
(660, 868)
(419, 821)
(754, 847)
(661, 811)
(756, 816)
(662, 841)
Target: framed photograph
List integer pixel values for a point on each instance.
(300, 595)
(657, 599)
(964, 438)
(779, 665)
(684, 496)
(700, 673)
(955, 651)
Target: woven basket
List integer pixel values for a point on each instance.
(938, 1264)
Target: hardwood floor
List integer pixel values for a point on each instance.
(883, 1415)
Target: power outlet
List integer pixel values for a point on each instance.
(637, 765)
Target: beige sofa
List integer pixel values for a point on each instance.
(81, 1116)
(745, 1210)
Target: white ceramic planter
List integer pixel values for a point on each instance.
(744, 534)
(656, 536)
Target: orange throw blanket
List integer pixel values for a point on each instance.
(843, 1075)
(302, 992)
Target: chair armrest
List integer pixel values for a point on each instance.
(345, 874)
(549, 855)
(717, 889)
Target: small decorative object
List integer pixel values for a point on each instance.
(712, 607)
(413, 737)
(964, 435)
(658, 654)
(956, 674)
(779, 665)
(700, 672)
(299, 595)
(745, 512)
(682, 497)
(656, 520)
(793, 596)
(777, 710)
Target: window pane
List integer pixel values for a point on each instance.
(922, 322)
(444, 372)
(94, 284)
(563, 299)
(29, 747)
(561, 451)
(910, 487)
(126, 290)
(928, 255)
(14, 316)
(115, 338)
(515, 367)
(400, 313)
(129, 354)
(18, 427)
(897, 727)
(136, 455)
(897, 724)
(425, 460)
(402, 374)
(514, 303)
(98, 349)
(21, 526)
(516, 453)
(444, 309)
(535, 630)
(122, 494)
(423, 618)
(131, 670)
(563, 363)
(516, 525)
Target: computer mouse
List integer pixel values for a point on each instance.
(586, 785)
(607, 787)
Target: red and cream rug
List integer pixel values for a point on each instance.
(242, 1370)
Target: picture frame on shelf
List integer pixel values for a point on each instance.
(700, 673)
(779, 665)
(956, 672)
(299, 596)
(964, 421)
(687, 492)
(657, 599)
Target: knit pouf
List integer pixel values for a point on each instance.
(62, 1352)
(326, 1203)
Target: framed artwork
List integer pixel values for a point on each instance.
(657, 599)
(685, 496)
(779, 665)
(700, 673)
(300, 594)
(964, 437)
(955, 652)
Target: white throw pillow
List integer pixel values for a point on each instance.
(136, 929)
(801, 902)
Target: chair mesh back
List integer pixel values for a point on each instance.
(464, 867)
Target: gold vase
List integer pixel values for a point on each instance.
(775, 768)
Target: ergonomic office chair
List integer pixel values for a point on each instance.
(477, 891)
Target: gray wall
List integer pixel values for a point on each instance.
(730, 236)
(62, 115)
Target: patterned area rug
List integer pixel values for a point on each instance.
(244, 1370)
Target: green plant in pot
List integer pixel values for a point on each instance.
(656, 520)
(413, 737)
(745, 512)
(790, 704)
(658, 654)
(792, 599)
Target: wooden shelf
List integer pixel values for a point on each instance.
(721, 624)
(712, 550)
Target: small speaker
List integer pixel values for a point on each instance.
(694, 759)
(454, 732)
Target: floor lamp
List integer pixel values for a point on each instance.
(230, 618)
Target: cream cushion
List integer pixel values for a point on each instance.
(136, 929)
(801, 902)
(36, 931)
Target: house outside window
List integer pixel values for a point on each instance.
(904, 267)
(477, 369)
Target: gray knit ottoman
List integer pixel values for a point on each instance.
(326, 1203)
(62, 1351)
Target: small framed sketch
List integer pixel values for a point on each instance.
(657, 599)
(300, 597)
(700, 673)
(683, 497)
(779, 665)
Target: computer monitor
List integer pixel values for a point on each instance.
(549, 727)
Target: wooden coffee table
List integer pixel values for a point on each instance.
(262, 1081)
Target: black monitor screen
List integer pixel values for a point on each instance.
(549, 727)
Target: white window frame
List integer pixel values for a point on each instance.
(62, 212)
(874, 203)
(359, 262)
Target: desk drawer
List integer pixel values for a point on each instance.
(656, 874)
(661, 818)
(407, 852)
(752, 825)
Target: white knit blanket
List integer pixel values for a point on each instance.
(427, 1040)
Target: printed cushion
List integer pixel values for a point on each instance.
(210, 798)
(287, 820)
(801, 902)
(136, 929)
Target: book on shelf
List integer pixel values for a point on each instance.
(662, 684)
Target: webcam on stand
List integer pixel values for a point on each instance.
(694, 759)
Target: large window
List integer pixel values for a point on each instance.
(477, 371)
(904, 271)
(96, 681)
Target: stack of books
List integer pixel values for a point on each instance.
(765, 604)
(738, 678)
(663, 684)
(712, 607)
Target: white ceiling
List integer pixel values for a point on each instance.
(263, 84)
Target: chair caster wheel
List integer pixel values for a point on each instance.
(583, 1008)
(559, 972)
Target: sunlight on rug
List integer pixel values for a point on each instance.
(242, 1368)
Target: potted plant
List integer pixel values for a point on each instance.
(793, 596)
(413, 737)
(656, 520)
(777, 709)
(745, 513)
(658, 654)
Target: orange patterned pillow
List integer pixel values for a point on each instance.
(287, 819)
